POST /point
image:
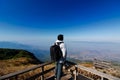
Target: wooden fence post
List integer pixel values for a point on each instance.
(76, 68)
(101, 78)
(75, 72)
(16, 77)
(42, 76)
(75, 76)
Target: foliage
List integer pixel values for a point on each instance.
(6, 54)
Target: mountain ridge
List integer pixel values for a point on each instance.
(6, 54)
(33, 49)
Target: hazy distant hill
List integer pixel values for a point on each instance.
(81, 50)
(91, 54)
(35, 50)
(7, 54)
(89, 50)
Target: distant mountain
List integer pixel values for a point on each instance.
(6, 54)
(78, 50)
(89, 50)
(91, 54)
(42, 55)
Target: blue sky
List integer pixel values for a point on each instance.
(42, 20)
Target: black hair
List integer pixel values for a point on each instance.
(60, 37)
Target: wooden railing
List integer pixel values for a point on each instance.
(43, 72)
(15, 74)
(93, 71)
(101, 64)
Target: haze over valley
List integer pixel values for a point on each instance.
(108, 51)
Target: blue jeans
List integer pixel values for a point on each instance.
(58, 70)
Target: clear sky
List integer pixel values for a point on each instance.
(43, 20)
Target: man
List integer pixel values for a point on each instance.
(59, 63)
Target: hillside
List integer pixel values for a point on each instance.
(6, 54)
(12, 60)
(37, 51)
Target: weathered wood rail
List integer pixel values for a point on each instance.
(101, 64)
(75, 74)
(15, 74)
(42, 73)
(102, 75)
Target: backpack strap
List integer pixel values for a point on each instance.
(58, 43)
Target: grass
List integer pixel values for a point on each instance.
(86, 64)
(13, 65)
(115, 71)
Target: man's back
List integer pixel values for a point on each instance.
(62, 47)
(55, 52)
(59, 63)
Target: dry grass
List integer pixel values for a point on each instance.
(87, 65)
(112, 71)
(89, 74)
(13, 65)
(86, 73)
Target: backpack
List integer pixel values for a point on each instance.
(55, 52)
